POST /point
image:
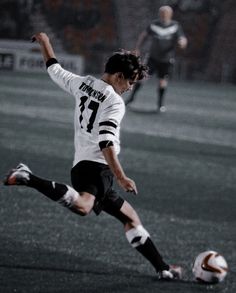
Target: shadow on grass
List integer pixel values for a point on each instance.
(143, 110)
(32, 268)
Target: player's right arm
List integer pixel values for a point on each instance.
(65, 79)
(141, 40)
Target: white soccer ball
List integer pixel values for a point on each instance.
(210, 267)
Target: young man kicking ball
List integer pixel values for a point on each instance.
(99, 110)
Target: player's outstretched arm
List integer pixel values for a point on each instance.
(45, 45)
(63, 78)
(126, 183)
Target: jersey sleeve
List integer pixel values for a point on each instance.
(67, 80)
(109, 122)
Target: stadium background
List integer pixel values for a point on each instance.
(94, 28)
(184, 161)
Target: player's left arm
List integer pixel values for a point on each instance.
(45, 46)
(141, 40)
(111, 157)
(109, 125)
(65, 79)
(182, 40)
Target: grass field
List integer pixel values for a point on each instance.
(184, 164)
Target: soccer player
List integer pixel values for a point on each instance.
(99, 110)
(165, 34)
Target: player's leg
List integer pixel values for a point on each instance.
(163, 82)
(138, 236)
(133, 93)
(140, 239)
(138, 85)
(163, 70)
(64, 194)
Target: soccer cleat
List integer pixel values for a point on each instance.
(18, 176)
(174, 273)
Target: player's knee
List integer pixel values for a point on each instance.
(137, 236)
(163, 83)
(83, 206)
(82, 211)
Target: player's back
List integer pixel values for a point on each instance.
(98, 113)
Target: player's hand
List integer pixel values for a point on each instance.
(40, 38)
(128, 185)
(182, 43)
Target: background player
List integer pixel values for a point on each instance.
(165, 34)
(99, 110)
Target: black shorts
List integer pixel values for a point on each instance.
(97, 179)
(162, 69)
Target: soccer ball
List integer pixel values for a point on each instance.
(210, 267)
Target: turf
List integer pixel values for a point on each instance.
(184, 164)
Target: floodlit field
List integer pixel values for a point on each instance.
(184, 164)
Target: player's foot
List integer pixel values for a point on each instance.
(174, 273)
(18, 176)
(162, 109)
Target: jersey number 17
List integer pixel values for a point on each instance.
(92, 106)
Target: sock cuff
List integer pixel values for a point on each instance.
(137, 236)
(69, 198)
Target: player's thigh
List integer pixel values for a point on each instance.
(84, 177)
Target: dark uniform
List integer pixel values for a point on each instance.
(161, 54)
(162, 49)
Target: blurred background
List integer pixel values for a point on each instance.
(92, 29)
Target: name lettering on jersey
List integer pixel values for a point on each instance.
(92, 92)
(164, 31)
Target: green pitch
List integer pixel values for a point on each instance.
(184, 164)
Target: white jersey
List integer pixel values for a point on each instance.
(98, 113)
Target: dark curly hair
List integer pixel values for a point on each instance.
(128, 63)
